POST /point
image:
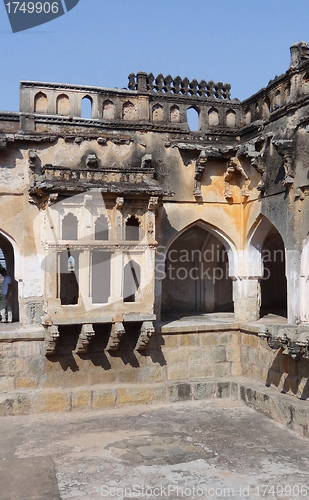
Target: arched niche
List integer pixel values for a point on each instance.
(9, 263)
(108, 110)
(132, 229)
(193, 119)
(197, 272)
(277, 100)
(129, 111)
(175, 114)
(101, 228)
(40, 103)
(266, 261)
(131, 281)
(157, 113)
(69, 227)
(63, 105)
(247, 117)
(213, 117)
(266, 108)
(230, 118)
(86, 107)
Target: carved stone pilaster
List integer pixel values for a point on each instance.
(51, 338)
(147, 330)
(115, 336)
(85, 336)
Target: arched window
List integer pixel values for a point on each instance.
(69, 227)
(132, 229)
(63, 105)
(101, 228)
(86, 107)
(40, 103)
(132, 279)
(193, 119)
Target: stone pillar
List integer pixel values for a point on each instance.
(293, 272)
(247, 298)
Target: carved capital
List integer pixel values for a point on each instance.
(147, 330)
(85, 336)
(51, 338)
(115, 336)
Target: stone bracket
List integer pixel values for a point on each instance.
(84, 339)
(115, 336)
(51, 338)
(294, 341)
(147, 330)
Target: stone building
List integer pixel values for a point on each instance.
(116, 226)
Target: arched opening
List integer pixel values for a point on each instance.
(273, 283)
(193, 119)
(63, 105)
(157, 113)
(266, 108)
(86, 107)
(69, 288)
(7, 261)
(40, 103)
(69, 227)
(197, 274)
(101, 228)
(131, 281)
(231, 118)
(277, 100)
(129, 111)
(132, 229)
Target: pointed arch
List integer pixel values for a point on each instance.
(101, 228)
(69, 227)
(63, 105)
(8, 250)
(132, 228)
(86, 107)
(193, 119)
(40, 103)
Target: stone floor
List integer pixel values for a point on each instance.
(207, 449)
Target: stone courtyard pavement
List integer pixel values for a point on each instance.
(208, 449)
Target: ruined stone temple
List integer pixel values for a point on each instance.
(147, 255)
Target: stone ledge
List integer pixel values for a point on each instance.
(282, 408)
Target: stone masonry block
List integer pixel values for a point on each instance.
(176, 371)
(222, 369)
(171, 340)
(103, 397)
(152, 374)
(51, 401)
(15, 404)
(192, 339)
(23, 382)
(254, 341)
(223, 390)
(204, 390)
(209, 339)
(6, 383)
(81, 398)
(134, 395)
(179, 392)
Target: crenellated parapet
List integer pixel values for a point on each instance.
(178, 86)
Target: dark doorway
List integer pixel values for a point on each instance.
(8, 262)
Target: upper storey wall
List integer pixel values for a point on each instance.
(156, 103)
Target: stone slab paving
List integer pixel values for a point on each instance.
(208, 449)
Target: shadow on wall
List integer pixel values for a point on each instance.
(291, 375)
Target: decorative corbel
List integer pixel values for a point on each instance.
(147, 330)
(233, 166)
(153, 203)
(52, 199)
(32, 158)
(119, 202)
(115, 336)
(200, 167)
(51, 337)
(85, 336)
(285, 148)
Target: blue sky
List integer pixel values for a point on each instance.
(100, 42)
